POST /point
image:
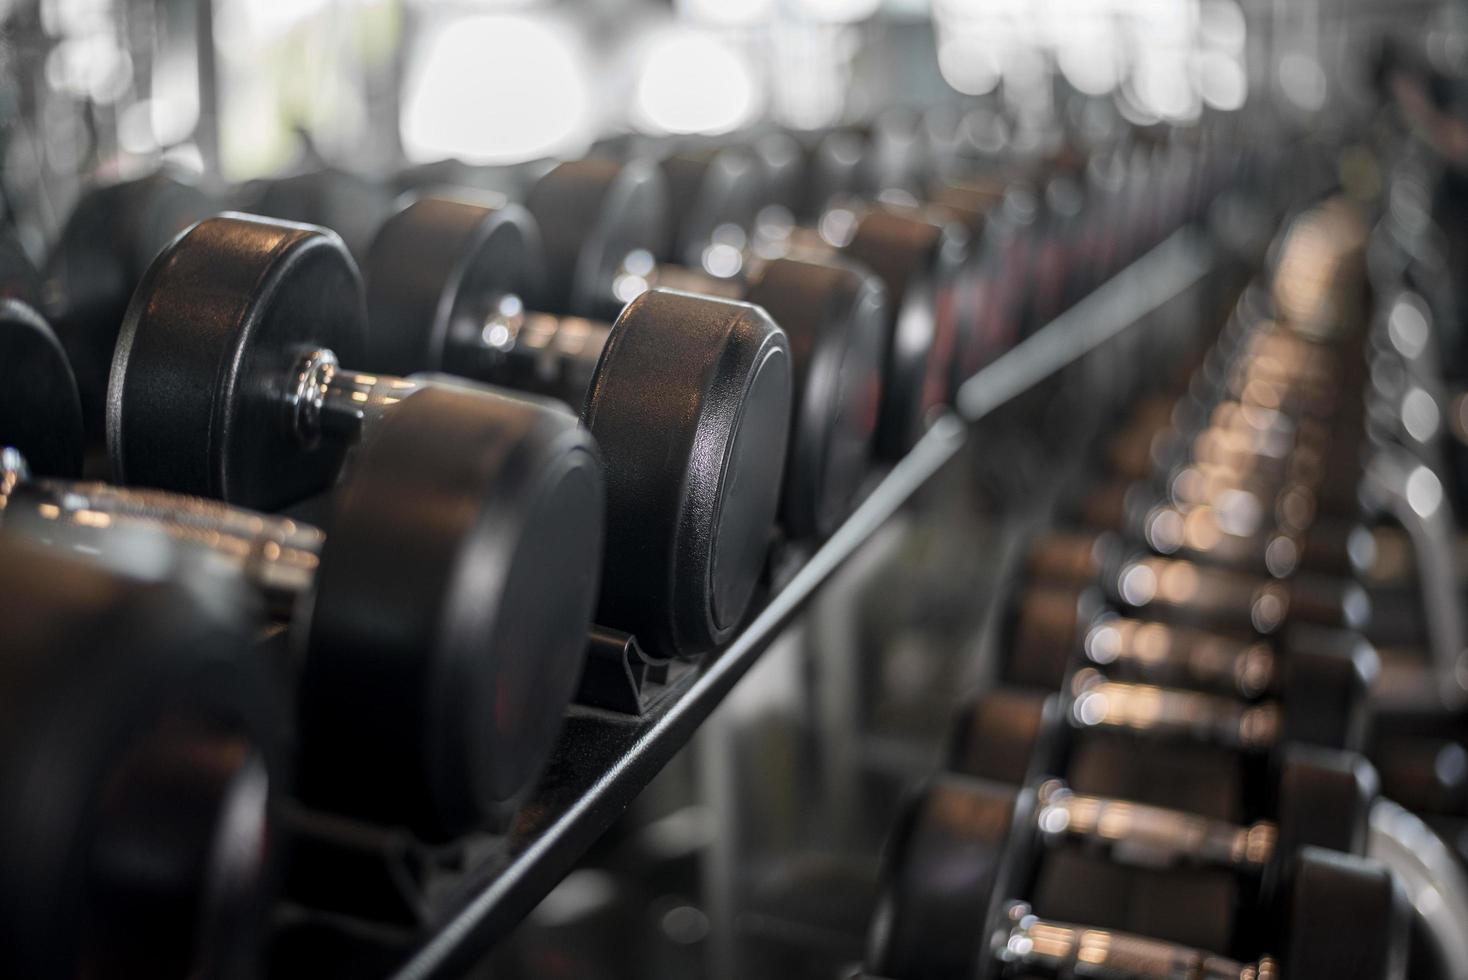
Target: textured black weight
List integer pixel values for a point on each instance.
(960, 848)
(835, 317)
(109, 239)
(136, 761)
(708, 190)
(919, 261)
(690, 404)
(834, 171)
(1348, 919)
(19, 278)
(40, 411)
(1326, 678)
(451, 610)
(1324, 800)
(592, 214)
(220, 318)
(430, 270)
(350, 205)
(782, 162)
(1007, 735)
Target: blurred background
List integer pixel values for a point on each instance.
(754, 853)
(240, 89)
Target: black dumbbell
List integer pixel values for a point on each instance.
(138, 764)
(226, 384)
(958, 870)
(1187, 593)
(349, 204)
(453, 285)
(716, 196)
(109, 239)
(40, 410)
(1318, 676)
(1171, 747)
(438, 629)
(1315, 794)
(1125, 849)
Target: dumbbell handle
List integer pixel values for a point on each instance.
(1167, 712)
(1153, 836)
(276, 555)
(324, 401)
(540, 353)
(1175, 655)
(1068, 951)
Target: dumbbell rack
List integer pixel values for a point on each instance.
(604, 758)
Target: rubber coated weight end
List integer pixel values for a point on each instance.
(104, 248)
(593, 214)
(351, 205)
(1007, 735)
(1047, 633)
(918, 259)
(40, 411)
(957, 851)
(136, 761)
(835, 317)
(690, 404)
(1327, 677)
(1348, 919)
(453, 604)
(782, 162)
(19, 277)
(712, 192)
(1325, 799)
(434, 270)
(834, 171)
(213, 333)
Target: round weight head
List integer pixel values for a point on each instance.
(1048, 632)
(835, 170)
(899, 152)
(713, 193)
(452, 608)
(348, 204)
(1008, 734)
(136, 760)
(594, 214)
(1327, 675)
(960, 849)
(835, 317)
(690, 404)
(783, 162)
(1325, 799)
(107, 243)
(19, 278)
(40, 412)
(918, 260)
(214, 332)
(1347, 918)
(432, 271)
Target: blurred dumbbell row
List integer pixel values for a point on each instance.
(1169, 773)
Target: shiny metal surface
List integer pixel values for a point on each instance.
(1067, 951)
(1169, 713)
(276, 555)
(1433, 877)
(1153, 836)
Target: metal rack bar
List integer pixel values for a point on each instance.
(604, 759)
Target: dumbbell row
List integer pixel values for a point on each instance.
(229, 352)
(999, 737)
